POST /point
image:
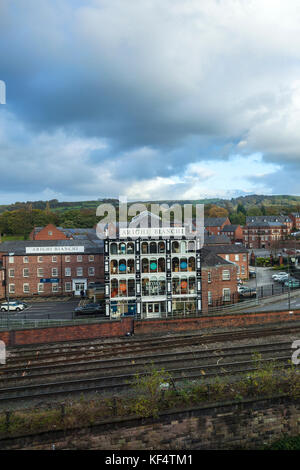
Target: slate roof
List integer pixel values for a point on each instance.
(229, 228)
(211, 259)
(214, 221)
(268, 218)
(227, 249)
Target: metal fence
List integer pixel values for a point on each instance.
(7, 323)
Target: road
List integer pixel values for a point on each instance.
(45, 310)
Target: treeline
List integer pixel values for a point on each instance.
(22, 221)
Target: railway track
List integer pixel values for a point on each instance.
(205, 366)
(60, 354)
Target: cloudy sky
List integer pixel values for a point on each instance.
(151, 99)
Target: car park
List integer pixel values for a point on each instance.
(90, 309)
(13, 306)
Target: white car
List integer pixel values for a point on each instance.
(14, 306)
(274, 276)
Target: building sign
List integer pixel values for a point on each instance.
(54, 249)
(152, 232)
(52, 280)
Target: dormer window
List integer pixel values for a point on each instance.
(50, 233)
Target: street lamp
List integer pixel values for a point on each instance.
(7, 287)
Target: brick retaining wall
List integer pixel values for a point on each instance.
(67, 333)
(249, 424)
(213, 321)
(141, 327)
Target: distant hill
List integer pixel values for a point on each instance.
(282, 202)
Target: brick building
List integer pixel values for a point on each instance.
(234, 254)
(49, 267)
(277, 219)
(219, 280)
(214, 225)
(264, 234)
(295, 217)
(234, 233)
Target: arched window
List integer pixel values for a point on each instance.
(145, 265)
(191, 246)
(113, 249)
(144, 248)
(114, 291)
(183, 247)
(175, 265)
(153, 247)
(130, 248)
(183, 285)
(153, 265)
(114, 266)
(175, 286)
(183, 264)
(161, 265)
(122, 248)
(161, 247)
(161, 286)
(145, 286)
(192, 285)
(131, 287)
(153, 285)
(175, 247)
(130, 266)
(191, 263)
(122, 266)
(122, 288)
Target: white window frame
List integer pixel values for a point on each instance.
(54, 272)
(25, 270)
(12, 288)
(11, 272)
(68, 284)
(91, 271)
(27, 289)
(68, 272)
(78, 272)
(40, 287)
(226, 277)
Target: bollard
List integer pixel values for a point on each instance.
(7, 420)
(115, 409)
(63, 412)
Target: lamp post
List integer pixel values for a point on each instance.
(7, 286)
(289, 287)
(256, 289)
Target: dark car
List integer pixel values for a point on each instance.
(89, 309)
(246, 293)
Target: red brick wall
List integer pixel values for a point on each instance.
(217, 284)
(44, 235)
(240, 262)
(212, 321)
(67, 333)
(47, 264)
(142, 327)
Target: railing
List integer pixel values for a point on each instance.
(14, 324)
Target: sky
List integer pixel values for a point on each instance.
(149, 99)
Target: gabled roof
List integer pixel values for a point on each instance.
(214, 221)
(230, 228)
(210, 259)
(227, 249)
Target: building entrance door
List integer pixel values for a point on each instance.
(79, 285)
(152, 309)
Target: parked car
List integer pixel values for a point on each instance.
(92, 308)
(282, 273)
(252, 274)
(292, 283)
(246, 292)
(14, 306)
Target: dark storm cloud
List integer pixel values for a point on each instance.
(104, 93)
